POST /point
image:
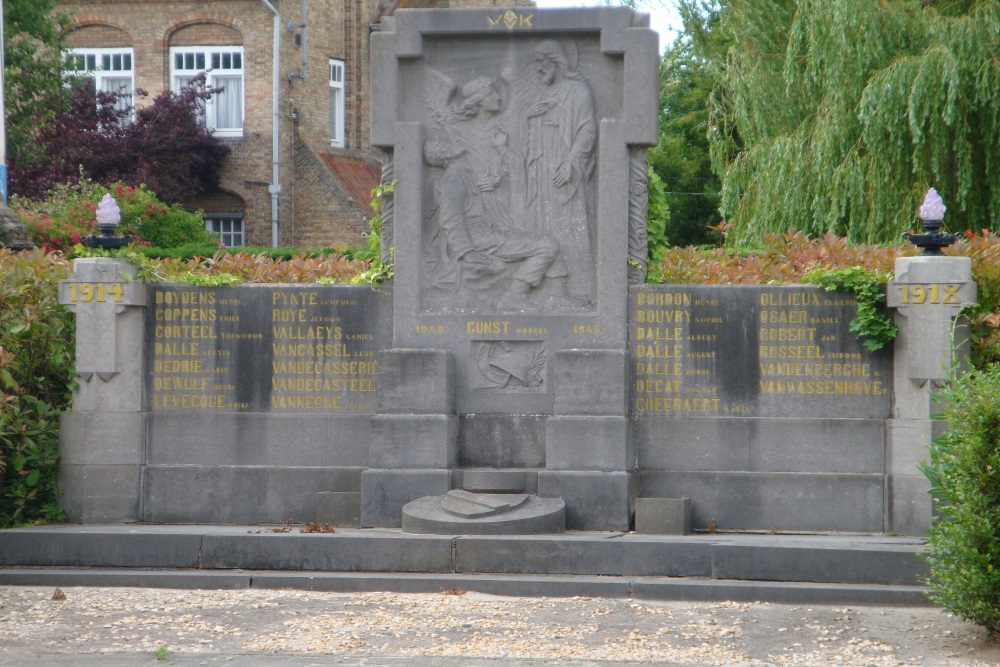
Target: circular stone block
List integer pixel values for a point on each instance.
(509, 514)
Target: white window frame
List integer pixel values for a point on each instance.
(337, 104)
(230, 228)
(219, 63)
(103, 65)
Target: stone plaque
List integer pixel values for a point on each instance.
(752, 351)
(265, 348)
(512, 135)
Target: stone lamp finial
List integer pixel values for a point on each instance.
(108, 215)
(933, 207)
(932, 215)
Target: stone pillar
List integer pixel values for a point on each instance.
(589, 448)
(928, 294)
(414, 438)
(101, 439)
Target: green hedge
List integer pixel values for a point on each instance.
(37, 348)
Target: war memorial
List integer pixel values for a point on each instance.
(516, 379)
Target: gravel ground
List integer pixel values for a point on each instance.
(111, 627)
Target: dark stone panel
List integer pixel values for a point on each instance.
(239, 494)
(754, 351)
(265, 348)
(501, 441)
(783, 501)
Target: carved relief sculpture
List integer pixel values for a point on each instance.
(638, 205)
(509, 223)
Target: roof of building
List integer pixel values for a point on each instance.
(356, 175)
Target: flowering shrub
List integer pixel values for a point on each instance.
(36, 372)
(68, 213)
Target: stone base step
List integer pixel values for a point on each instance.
(643, 588)
(849, 569)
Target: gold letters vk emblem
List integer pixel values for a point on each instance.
(512, 19)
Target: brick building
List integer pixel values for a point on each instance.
(326, 166)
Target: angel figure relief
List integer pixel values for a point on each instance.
(476, 248)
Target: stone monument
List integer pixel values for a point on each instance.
(518, 139)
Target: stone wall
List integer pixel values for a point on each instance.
(256, 404)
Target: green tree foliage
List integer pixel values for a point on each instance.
(681, 159)
(837, 115)
(32, 74)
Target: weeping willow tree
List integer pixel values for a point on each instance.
(837, 115)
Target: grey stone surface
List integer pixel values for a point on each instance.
(101, 438)
(589, 443)
(594, 500)
(13, 233)
(384, 492)
(100, 493)
(495, 481)
(417, 382)
(347, 553)
(503, 309)
(339, 508)
(579, 554)
(108, 310)
(909, 505)
(752, 351)
(738, 559)
(663, 516)
(413, 441)
(907, 443)
(508, 585)
(817, 445)
(526, 516)
(783, 501)
(177, 438)
(591, 382)
(929, 292)
(239, 494)
(104, 547)
(501, 441)
(828, 565)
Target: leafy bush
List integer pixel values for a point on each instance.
(964, 469)
(873, 327)
(192, 250)
(36, 373)
(67, 214)
(225, 268)
(100, 136)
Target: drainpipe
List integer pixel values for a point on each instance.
(275, 186)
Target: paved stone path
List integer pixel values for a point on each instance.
(119, 627)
